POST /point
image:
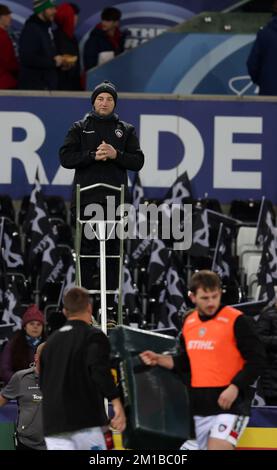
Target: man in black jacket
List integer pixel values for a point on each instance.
(101, 148)
(37, 52)
(75, 378)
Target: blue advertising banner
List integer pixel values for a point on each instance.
(145, 19)
(228, 147)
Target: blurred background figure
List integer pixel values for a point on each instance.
(24, 387)
(39, 60)
(8, 62)
(19, 351)
(66, 42)
(267, 331)
(106, 40)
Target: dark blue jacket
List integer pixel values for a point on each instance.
(262, 61)
(36, 54)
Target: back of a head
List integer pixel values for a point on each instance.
(76, 301)
(204, 279)
(110, 14)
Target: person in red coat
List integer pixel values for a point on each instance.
(8, 62)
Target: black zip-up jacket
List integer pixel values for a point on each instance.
(37, 50)
(75, 377)
(267, 331)
(204, 399)
(80, 145)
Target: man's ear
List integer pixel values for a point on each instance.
(191, 297)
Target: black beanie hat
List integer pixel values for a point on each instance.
(104, 87)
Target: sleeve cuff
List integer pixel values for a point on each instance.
(119, 155)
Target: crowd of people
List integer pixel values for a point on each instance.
(47, 56)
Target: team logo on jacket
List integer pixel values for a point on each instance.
(201, 332)
(118, 133)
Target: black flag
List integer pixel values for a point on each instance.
(200, 234)
(158, 263)
(223, 253)
(43, 252)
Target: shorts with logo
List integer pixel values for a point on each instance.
(84, 439)
(224, 426)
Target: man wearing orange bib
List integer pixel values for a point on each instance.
(221, 357)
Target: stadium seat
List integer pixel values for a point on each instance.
(56, 208)
(23, 210)
(51, 294)
(251, 269)
(64, 234)
(247, 210)
(208, 203)
(246, 239)
(55, 205)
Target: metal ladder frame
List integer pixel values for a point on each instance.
(102, 240)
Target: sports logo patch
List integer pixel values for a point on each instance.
(222, 427)
(118, 133)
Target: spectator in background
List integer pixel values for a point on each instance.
(105, 40)
(24, 387)
(66, 19)
(19, 351)
(261, 63)
(75, 385)
(8, 61)
(267, 331)
(39, 61)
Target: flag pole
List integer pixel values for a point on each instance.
(217, 245)
(259, 218)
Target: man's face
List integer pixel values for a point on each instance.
(109, 26)
(49, 14)
(206, 301)
(104, 104)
